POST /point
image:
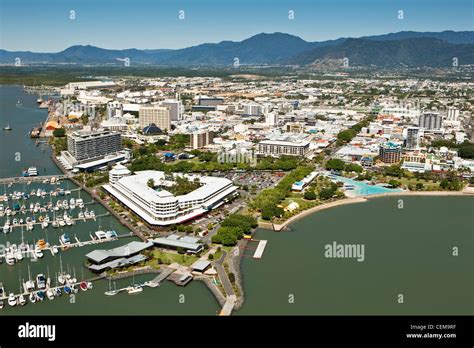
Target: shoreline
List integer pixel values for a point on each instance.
(360, 199)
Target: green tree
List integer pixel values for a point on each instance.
(335, 164)
(309, 195)
(394, 183)
(59, 132)
(150, 183)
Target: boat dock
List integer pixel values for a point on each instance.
(23, 179)
(260, 248)
(72, 219)
(162, 276)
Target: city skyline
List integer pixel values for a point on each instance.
(157, 25)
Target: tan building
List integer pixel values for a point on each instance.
(158, 115)
(200, 139)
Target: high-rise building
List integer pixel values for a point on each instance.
(201, 138)
(390, 152)
(283, 147)
(453, 114)
(175, 108)
(94, 144)
(158, 115)
(271, 119)
(252, 110)
(413, 138)
(430, 120)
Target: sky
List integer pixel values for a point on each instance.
(49, 26)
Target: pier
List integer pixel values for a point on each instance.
(228, 306)
(24, 179)
(260, 248)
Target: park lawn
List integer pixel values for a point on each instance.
(427, 185)
(169, 258)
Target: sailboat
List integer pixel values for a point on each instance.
(61, 277)
(7, 127)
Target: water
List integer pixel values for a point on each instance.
(407, 251)
(362, 189)
(18, 150)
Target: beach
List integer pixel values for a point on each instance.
(361, 199)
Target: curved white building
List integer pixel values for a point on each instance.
(159, 207)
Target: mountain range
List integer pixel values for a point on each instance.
(406, 48)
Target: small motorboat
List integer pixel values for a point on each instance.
(57, 292)
(67, 289)
(1, 304)
(83, 286)
(89, 285)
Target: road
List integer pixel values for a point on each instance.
(229, 290)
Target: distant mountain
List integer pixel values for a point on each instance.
(413, 52)
(390, 50)
(455, 37)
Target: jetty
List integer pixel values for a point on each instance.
(260, 249)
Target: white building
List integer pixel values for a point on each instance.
(159, 207)
(252, 110)
(271, 119)
(175, 108)
(453, 114)
(283, 147)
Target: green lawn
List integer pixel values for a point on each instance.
(169, 258)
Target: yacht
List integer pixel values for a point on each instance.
(6, 227)
(101, 234)
(65, 239)
(32, 171)
(10, 259)
(41, 281)
(2, 290)
(38, 252)
(50, 294)
(135, 289)
(80, 203)
(111, 234)
(21, 300)
(12, 299)
(54, 250)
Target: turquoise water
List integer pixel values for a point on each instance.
(362, 188)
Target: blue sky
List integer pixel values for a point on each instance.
(45, 26)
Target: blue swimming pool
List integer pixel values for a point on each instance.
(362, 188)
